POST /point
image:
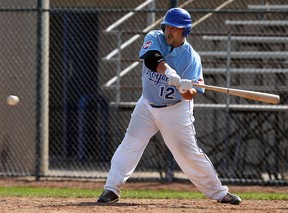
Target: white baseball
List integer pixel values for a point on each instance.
(12, 100)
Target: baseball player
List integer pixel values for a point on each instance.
(166, 105)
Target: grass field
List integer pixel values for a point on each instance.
(72, 196)
(131, 194)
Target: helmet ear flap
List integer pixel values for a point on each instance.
(187, 31)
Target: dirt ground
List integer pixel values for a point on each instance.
(73, 205)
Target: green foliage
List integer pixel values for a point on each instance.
(132, 194)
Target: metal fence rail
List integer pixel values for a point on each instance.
(74, 66)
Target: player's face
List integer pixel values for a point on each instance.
(174, 36)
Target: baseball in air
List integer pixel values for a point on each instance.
(12, 100)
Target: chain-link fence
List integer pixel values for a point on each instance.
(74, 65)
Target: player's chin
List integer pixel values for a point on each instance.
(169, 41)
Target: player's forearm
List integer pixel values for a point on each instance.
(162, 67)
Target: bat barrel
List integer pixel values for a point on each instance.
(253, 95)
(257, 96)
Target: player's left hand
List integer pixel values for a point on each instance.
(173, 77)
(185, 85)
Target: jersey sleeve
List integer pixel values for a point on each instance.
(194, 71)
(198, 74)
(199, 80)
(151, 42)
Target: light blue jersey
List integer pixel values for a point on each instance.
(184, 59)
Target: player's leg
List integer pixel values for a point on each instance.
(124, 161)
(180, 139)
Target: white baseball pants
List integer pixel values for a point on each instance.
(176, 126)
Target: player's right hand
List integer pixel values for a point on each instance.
(185, 85)
(173, 77)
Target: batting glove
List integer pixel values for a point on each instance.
(185, 85)
(173, 77)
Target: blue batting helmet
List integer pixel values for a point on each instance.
(178, 17)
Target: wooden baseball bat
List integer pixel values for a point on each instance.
(253, 95)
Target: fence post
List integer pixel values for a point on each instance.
(227, 116)
(151, 15)
(42, 97)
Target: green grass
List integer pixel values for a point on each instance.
(134, 194)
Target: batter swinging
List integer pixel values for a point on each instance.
(166, 105)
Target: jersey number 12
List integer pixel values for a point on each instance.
(167, 92)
